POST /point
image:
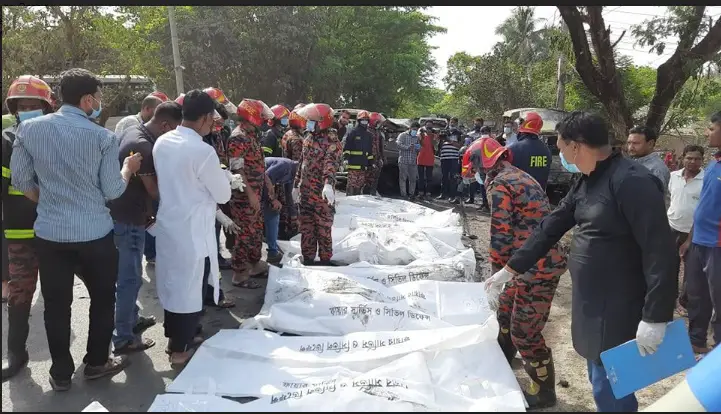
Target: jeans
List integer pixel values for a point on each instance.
(449, 169)
(98, 263)
(271, 220)
(703, 286)
(603, 395)
(150, 240)
(425, 178)
(130, 242)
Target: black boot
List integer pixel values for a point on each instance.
(542, 392)
(504, 340)
(18, 330)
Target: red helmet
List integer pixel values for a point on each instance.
(300, 105)
(363, 114)
(532, 124)
(280, 111)
(179, 100)
(254, 111)
(483, 153)
(28, 87)
(295, 120)
(219, 97)
(321, 113)
(376, 119)
(160, 95)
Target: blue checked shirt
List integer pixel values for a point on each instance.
(407, 152)
(76, 165)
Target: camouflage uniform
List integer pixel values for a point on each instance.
(292, 146)
(18, 218)
(246, 155)
(518, 204)
(318, 165)
(373, 174)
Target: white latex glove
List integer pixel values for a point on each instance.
(226, 222)
(235, 180)
(649, 336)
(494, 286)
(295, 194)
(328, 193)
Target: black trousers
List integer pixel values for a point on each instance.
(682, 295)
(703, 273)
(181, 328)
(6, 260)
(97, 260)
(450, 168)
(425, 178)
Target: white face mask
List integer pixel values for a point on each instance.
(478, 178)
(507, 130)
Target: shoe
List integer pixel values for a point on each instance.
(144, 322)
(308, 262)
(151, 261)
(542, 392)
(275, 258)
(259, 268)
(504, 340)
(60, 385)
(454, 200)
(110, 368)
(15, 363)
(223, 263)
(484, 208)
(440, 197)
(470, 201)
(412, 198)
(700, 350)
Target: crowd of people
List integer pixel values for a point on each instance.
(81, 200)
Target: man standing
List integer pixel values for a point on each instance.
(518, 205)
(314, 186)
(191, 184)
(702, 251)
(132, 213)
(342, 124)
(271, 138)
(684, 188)
(245, 157)
(147, 109)
(477, 125)
(292, 145)
(510, 132)
(28, 97)
(530, 153)
(622, 260)
(449, 166)
(358, 151)
(280, 172)
(426, 159)
(408, 147)
(641, 141)
(51, 156)
(373, 174)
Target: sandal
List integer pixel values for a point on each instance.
(223, 304)
(137, 345)
(182, 364)
(197, 341)
(248, 284)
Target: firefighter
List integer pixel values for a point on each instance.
(271, 137)
(245, 157)
(358, 151)
(530, 153)
(292, 148)
(518, 204)
(314, 186)
(28, 97)
(373, 174)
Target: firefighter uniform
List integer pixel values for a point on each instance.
(373, 174)
(358, 151)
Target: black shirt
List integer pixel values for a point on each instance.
(135, 205)
(623, 260)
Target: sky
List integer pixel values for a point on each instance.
(471, 29)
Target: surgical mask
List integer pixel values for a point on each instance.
(414, 132)
(479, 179)
(96, 112)
(310, 126)
(364, 122)
(507, 130)
(572, 168)
(284, 121)
(24, 116)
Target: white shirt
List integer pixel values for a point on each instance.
(684, 199)
(127, 122)
(191, 185)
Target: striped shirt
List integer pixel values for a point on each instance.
(449, 151)
(407, 152)
(127, 122)
(76, 165)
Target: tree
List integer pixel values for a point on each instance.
(523, 40)
(596, 63)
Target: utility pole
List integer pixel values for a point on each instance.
(561, 83)
(176, 51)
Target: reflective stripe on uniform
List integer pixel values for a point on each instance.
(370, 157)
(353, 167)
(6, 172)
(14, 191)
(269, 150)
(353, 152)
(223, 166)
(11, 234)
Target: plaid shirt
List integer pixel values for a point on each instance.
(407, 152)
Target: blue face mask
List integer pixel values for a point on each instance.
(24, 116)
(284, 121)
(414, 132)
(364, 122)
(96, 112)
(568, 166)
(310, 126)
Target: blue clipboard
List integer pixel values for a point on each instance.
(629, 372)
